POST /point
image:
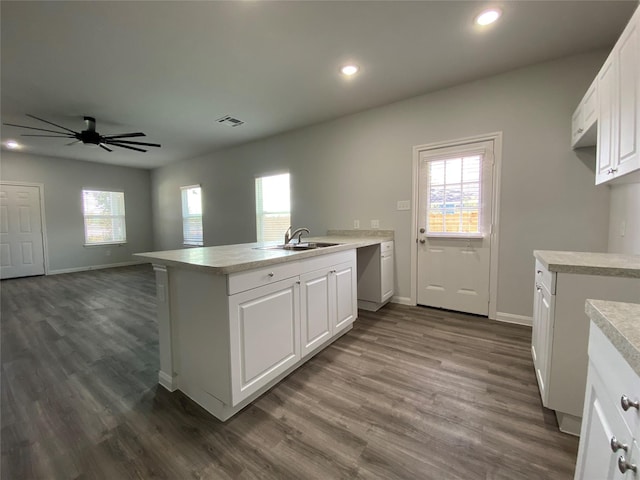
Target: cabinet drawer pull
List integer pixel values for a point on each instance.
(627, 403)
(616, 445)
(623, 465)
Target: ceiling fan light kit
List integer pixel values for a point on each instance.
(89, 136)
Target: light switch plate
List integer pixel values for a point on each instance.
(375, 223)
(356, 224)
(404, 205)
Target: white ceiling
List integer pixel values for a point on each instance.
(170, 69)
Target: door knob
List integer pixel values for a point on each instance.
(626, 403)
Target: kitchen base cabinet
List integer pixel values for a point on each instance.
(560, 336)
(375, 276)
(328, 304)
(608, 432)
(229, 338)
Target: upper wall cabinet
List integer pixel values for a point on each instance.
(618, 91)
(583, 122)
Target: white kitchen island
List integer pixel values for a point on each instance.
(236, 319)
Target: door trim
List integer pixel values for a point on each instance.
(496, 137)
(40, 187)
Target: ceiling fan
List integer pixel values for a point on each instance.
(89, 136)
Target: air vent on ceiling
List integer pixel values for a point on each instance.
(229, 120)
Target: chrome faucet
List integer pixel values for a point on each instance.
(298, 231)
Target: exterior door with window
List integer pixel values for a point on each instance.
(21, 240)
(454, 225)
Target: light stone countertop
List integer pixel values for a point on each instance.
(226, 259)
(589, 263)
(620, 322)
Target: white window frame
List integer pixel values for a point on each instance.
(457, 152)
(188, 217)
(114, 217)
(261, 213)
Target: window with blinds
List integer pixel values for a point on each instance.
(104, 217)
(192, 215)
(454, 203)
(273, 207)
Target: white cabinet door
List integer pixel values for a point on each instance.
(344, 287)
(628, 101)
(386, 276)
(618, 150)
(602, 422)
(315, 309)
(542, 334)
(264, 336)
(607, 95)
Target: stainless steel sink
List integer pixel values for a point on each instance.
(298, 246)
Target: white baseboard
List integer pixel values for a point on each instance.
(402, 301)
(512, 318)
(95, 267)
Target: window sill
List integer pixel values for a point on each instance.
(105, 244)
(461, 236)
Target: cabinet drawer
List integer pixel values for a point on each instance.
(619, 377)
(545, 277)
(386, 247)
(239, 282)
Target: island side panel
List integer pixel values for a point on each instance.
(166, 375)
(200, 333)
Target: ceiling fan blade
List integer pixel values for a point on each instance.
(50, 123)
(126, 146)
(129, 142)
(39, 129)
(52, 136)
(126, 135)
(102, 145)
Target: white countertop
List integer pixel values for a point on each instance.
(620, 322)
(227, 259)
(590, 263)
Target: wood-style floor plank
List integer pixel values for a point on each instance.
(409, 393)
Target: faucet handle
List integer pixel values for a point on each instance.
(287, 235)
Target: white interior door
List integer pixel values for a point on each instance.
(454, 224)
(21, 241)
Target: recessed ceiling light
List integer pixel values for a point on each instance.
(349, 70)
(488, 16)
(12, 145)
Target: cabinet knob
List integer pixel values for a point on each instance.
(612, 171)
(539, 272)
(626, 403)
(580, 130)
(270, 274)
(422, 240)
(538, 287)
(623, 465)
(422, 230)
(616, 445)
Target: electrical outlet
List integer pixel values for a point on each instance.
(375, 223)
(623, 228)
(107, 252)
(404, 205)
(356, 224)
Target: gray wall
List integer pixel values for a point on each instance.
(63, 182)
(625, 209)
(357, 167)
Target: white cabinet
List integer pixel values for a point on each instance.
(609, 436)
(264, 335)
(542, 332)
(560, 336)
(234, 336)
(328, 304)
(375, 276)
(583, 122)
(618, 86)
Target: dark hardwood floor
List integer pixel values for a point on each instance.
(409, 393)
